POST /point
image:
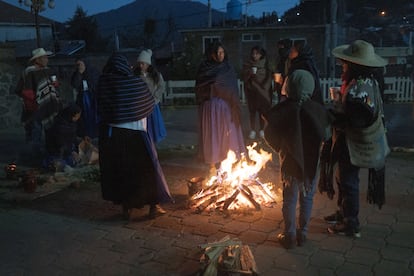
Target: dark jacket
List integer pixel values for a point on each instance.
(61, 137)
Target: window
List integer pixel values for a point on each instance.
(298, 40)
(251, 37)
(207, 40)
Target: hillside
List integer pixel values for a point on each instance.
(166, 16)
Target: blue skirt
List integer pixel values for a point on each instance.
(218, 133)
(155, 125)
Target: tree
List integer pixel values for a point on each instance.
(83, 27)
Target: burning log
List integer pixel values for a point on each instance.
(235, 185)
(251, 199)
(264, 189)
(205, 204)
(230, 199)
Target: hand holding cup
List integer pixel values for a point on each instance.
(277, 77)
(335, 93)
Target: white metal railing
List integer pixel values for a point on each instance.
(397, 89)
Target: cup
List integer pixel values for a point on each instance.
(335, 93)
(254, 70)
(277, 77)
(53, 78)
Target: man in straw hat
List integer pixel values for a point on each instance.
(38, 89)
(359, 137)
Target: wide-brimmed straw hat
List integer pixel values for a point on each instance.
(359, 52)
(40, 52)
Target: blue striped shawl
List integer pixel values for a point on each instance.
(122, 97)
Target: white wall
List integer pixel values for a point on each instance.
(9, 32)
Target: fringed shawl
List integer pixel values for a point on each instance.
(122, 97)
(296, 132)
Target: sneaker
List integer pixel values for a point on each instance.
(287, 241)
(261, 134)
(336, 217)
(252, 134)
(344, 230)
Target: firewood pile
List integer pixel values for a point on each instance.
(235, 185)
(227, 257)
(220, 195)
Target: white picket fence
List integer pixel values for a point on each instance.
(397, 89)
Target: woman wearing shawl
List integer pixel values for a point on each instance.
(301, 57)
(296, 128)
(130, 171)
(156, 85)
(257, 86)
(84, 81)
(219, 108)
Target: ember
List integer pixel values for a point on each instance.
(236, 185)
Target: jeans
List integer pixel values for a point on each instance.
(292, 190)
(34, 134)
(348, 182)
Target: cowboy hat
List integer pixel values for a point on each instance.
(39, 52)
(359, 52)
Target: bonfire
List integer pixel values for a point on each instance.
(236, 184)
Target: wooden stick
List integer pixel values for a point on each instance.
(251, 199)
(264, 189)
(231, 199)
(204, 205)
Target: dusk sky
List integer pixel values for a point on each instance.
(65, 8)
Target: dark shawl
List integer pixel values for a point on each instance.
(61, 137)
(296, 132)
(305, 61)
(122, 97)
(219, 80)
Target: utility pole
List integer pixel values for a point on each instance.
(334, 37)
(209, 14)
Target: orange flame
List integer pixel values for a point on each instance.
(236, 184)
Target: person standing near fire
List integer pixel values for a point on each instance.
(84, 80)
(296, 128)
(282, 65)
(219, 109)
(301, 57)
(156, 85)
(127, 158)
(38, 89)
(258, 88)
(359, 139)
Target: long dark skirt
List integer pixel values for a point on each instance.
(128, 176)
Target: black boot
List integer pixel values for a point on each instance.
(286, 240)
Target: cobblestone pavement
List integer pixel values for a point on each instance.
(74, 232)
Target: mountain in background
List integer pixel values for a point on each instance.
(155, 22)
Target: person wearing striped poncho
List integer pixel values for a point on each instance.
(130, 172)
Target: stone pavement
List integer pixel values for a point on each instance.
(74, 232)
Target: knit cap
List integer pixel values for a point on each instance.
(300, 85)
(145, 56)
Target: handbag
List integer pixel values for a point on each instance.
(29, 101)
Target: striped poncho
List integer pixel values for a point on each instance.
(122, 97)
